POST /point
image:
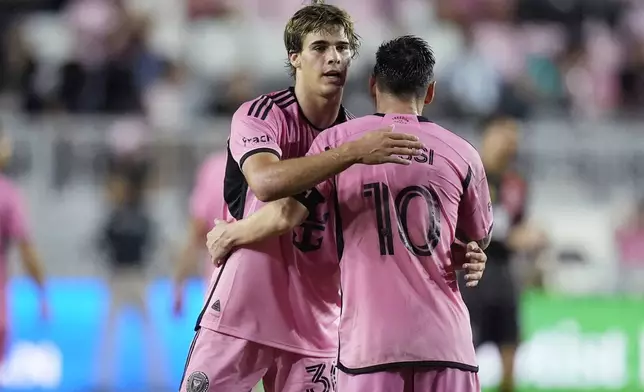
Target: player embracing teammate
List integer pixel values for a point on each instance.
(273, 308)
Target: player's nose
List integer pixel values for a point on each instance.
(333, 56)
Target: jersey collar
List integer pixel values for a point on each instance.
(342, 114)
(420, 118)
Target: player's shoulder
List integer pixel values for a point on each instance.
(267, 107)
(353, 126)
(459, 144)
(349, 129)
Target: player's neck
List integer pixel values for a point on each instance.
(391, 105)
(320, 111)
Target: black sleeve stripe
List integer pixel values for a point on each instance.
(284, 99)
(267, 110)
(468, 178)
(260, 107)
(287, 104)
(252, 107)
(349, 115)
(257, 151)
(284, 94)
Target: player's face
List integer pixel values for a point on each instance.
(324, 61)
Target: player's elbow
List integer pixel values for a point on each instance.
(264, 193)
(263, 188)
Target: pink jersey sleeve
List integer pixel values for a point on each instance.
(475, 217)
(17, 222)
(254, 129)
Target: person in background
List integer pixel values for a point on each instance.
(14, 230)
(629, 240)
(207, 204)
(125, 241)
(493, 305)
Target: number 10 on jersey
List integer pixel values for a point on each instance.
(382, 199)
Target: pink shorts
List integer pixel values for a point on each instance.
(409, 380)
(223, 363)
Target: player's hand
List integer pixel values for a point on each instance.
(219, 243)
(474, 265)
(385, 146)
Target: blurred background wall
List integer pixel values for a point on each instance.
(84, 81)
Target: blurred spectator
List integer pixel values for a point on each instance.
(166, 100)
(475, 86)
(236, 90)
(629, 239)
(198, 9)
(34, 82)
(126, 240)
(112, 63)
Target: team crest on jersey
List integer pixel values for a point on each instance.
(253, 141)
(197, 382)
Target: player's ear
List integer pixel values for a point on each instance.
(372, 86)
(429, 97)
(294, 59)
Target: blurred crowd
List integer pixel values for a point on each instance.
(584, 58)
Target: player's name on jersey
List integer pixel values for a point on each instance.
(426, 156)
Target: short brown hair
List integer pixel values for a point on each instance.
(317, 17)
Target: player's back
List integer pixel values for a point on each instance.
(400, 299)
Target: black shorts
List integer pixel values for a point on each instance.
(493, 307)
(494, 323)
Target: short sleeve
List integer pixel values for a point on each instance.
(253, 130)
(17, 220)
(324, 190)
(475, 218)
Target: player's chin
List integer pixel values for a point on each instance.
(331, 88)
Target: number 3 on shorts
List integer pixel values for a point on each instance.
(318, 377)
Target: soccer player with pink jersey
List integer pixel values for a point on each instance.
(206, 204)
(14, 230)
(404, 326)
(272, 309)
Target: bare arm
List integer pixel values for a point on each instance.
(190, 253)
(271, 179)
(275, 218)
(32, 264)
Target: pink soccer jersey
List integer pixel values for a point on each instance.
(283, 292)
(207, 200)
(13, 227)
(400, 299)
